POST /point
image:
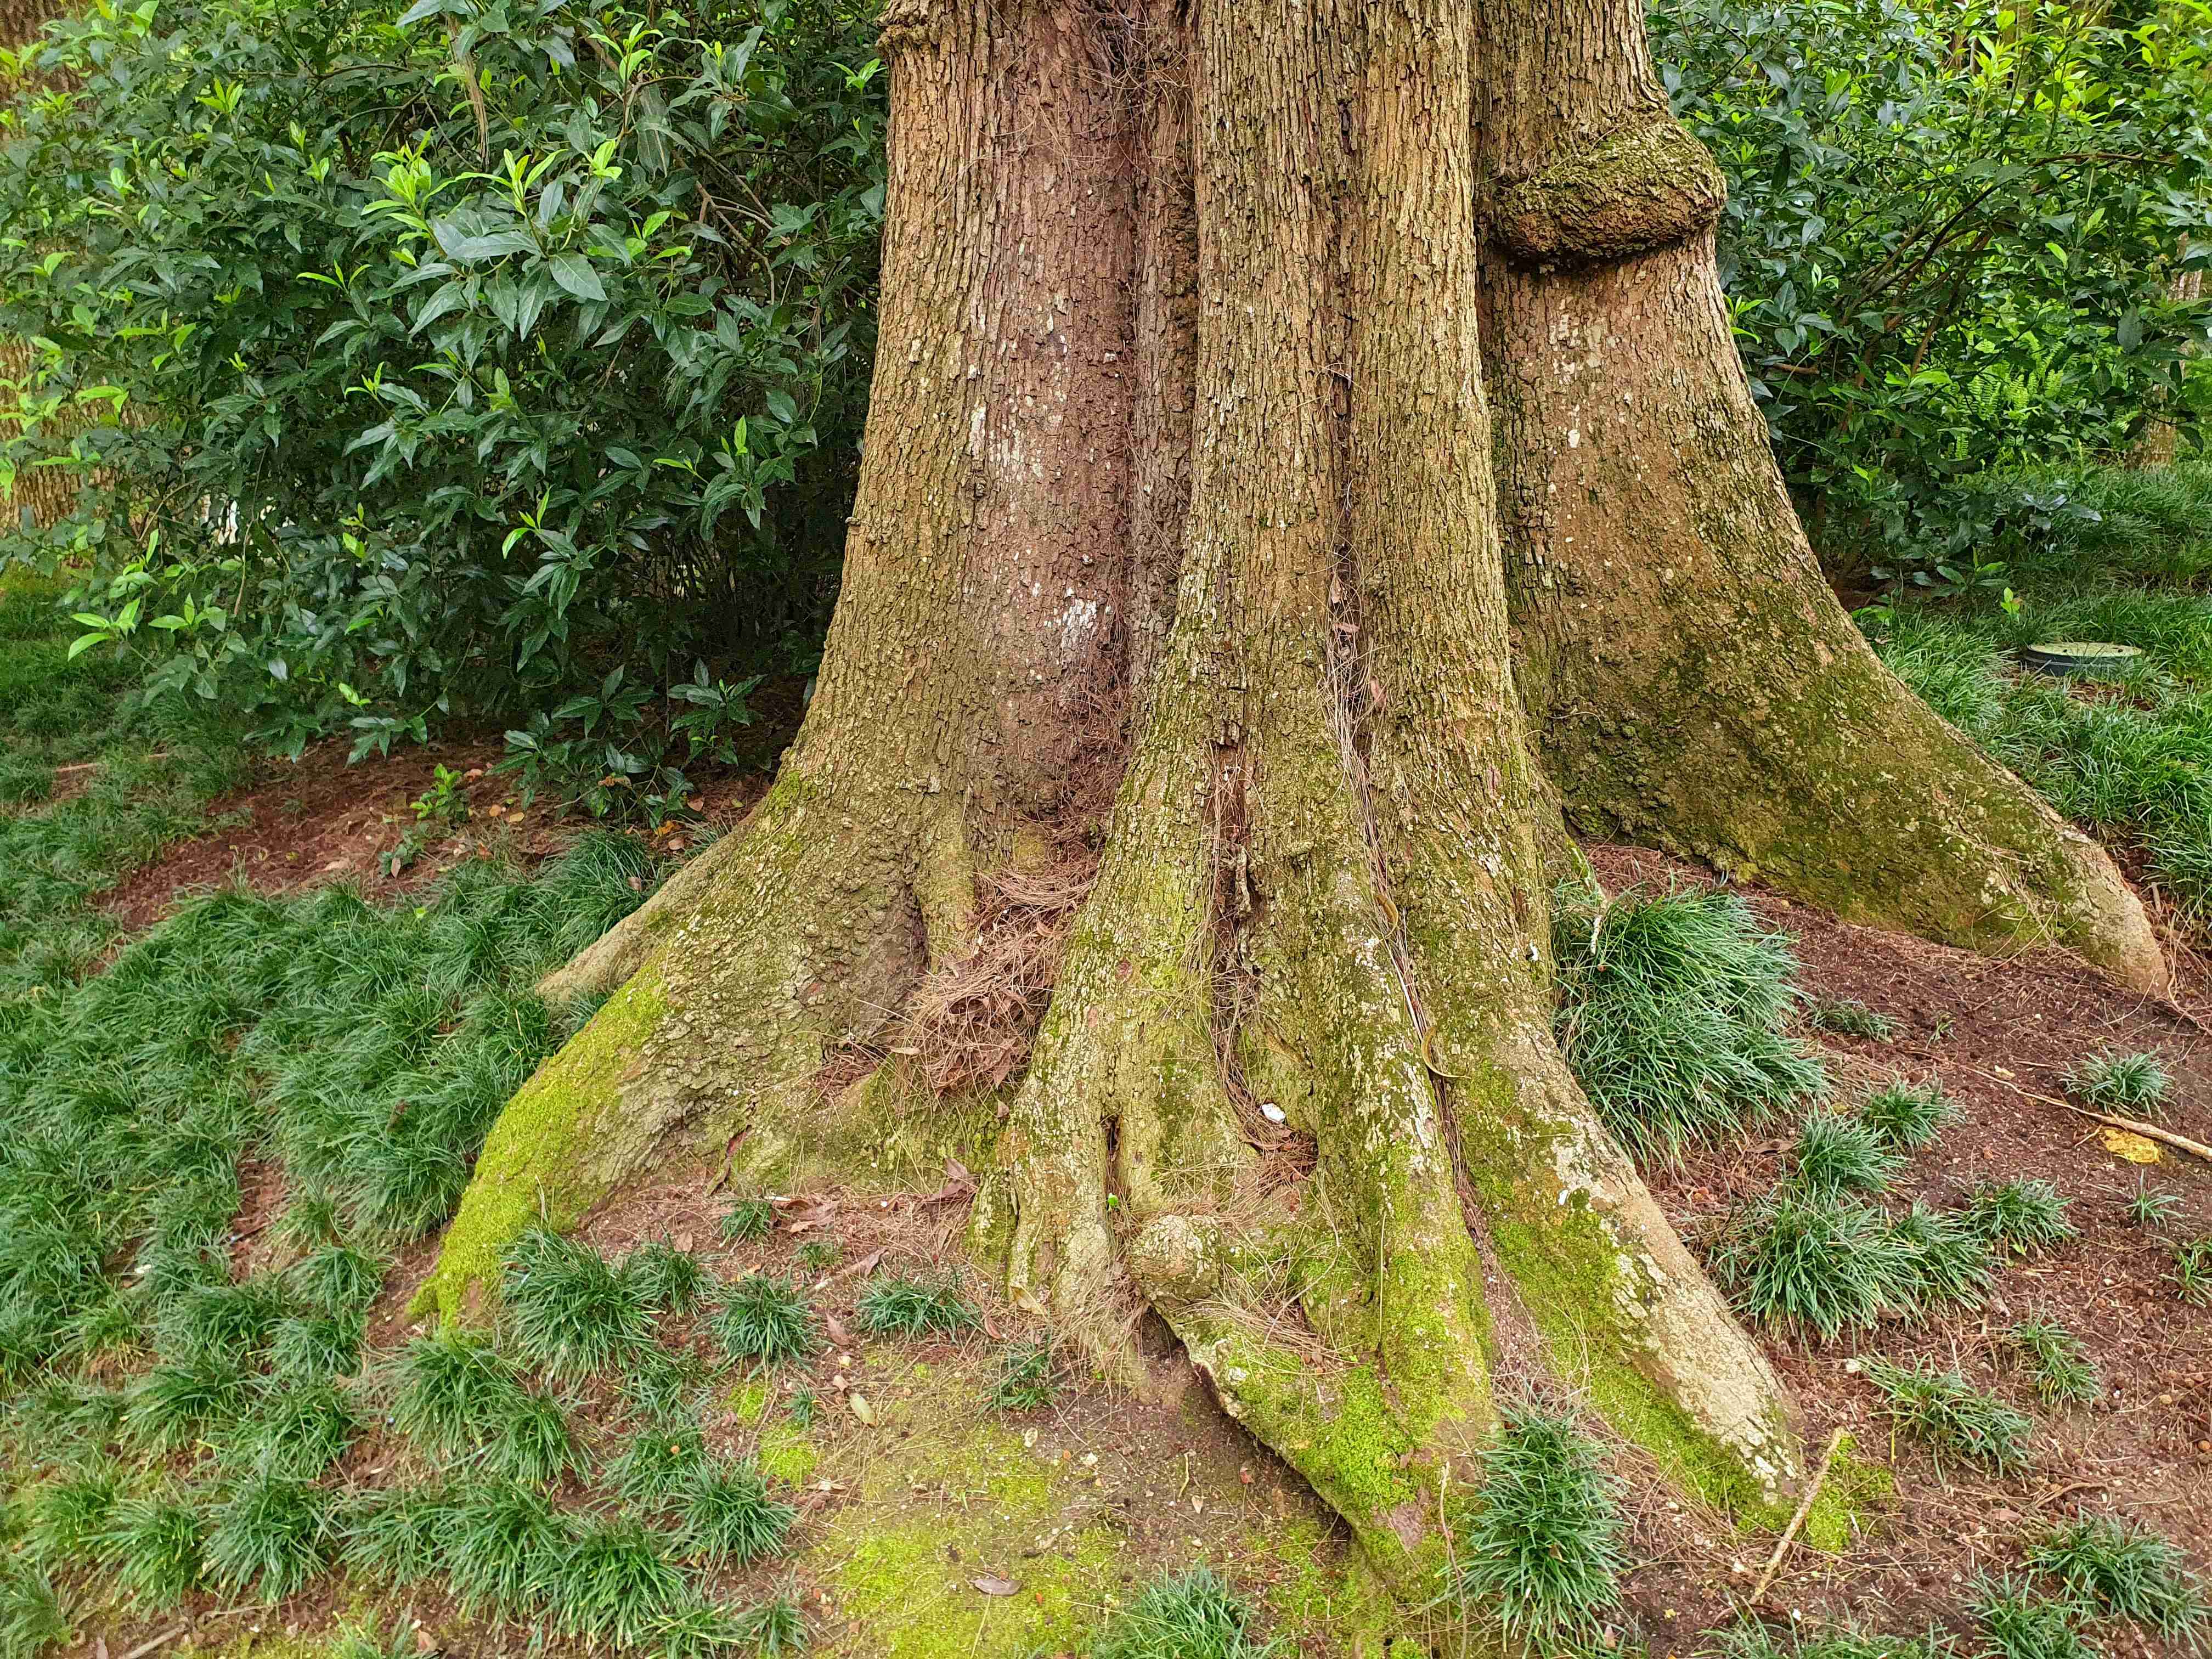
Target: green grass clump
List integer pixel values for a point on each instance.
(1024, 1379)
(817, 1254)
(2021, 1624)
(2149, 1209)
(32, 1616)
(1948, 1415)
(1184, 1615)
(1937, 1260)
(665, 1280)
(310, 1349)
(154, 1545)
(273, 1534)
(1836, 1154)
(1907, 1115)
(2022, 1216)
(611, 1583)
(2125, 1571)
(749, 1219)
(456, 1394)
(64, 1518)
(297, 1430)
(1545, 1547)
(337, 1278)
(1671, 1011)
(909, 1305)
(173, 1404)
(500, 1544)
(2064, 1374)
(772, 1627)
(765, 1318)
(1848, 1017)
(395, 1536)
(1809, 1265)
(725, 1513)
(2136, 1084)
(2192, 1276)
(660, 1461)
(570, 1311)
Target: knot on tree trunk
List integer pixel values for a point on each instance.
(1645, 186)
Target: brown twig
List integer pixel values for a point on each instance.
(148, 1645)
(2134, 1127)
(1804, 1509)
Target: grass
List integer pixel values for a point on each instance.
(611, 1583)
(2147, 1208)
(297, 1430)
(2021, 1624)
(1937, 1260)
(1838, 1154)
(156, 1544)
(663, 1279)
(911, 1305)
(32, 1616)
(747, 1220)
(64, 1518)
(570, 1312)
(2134, 1083)
(271, 1535)
(2021, 1216)
(1848, 1017)
(661, 1460)
(1671, 1011)
(766, 1318)
(1907, 1115)
(2192, 1276)
(456, 1395)
(1809, 1264)
(2125, 1571)
(2064, 1374)
(1543, 1548)
(1025, 1378)
(499, 1542)
(1947, 1414)
(1194, 1614)
(725, 1513)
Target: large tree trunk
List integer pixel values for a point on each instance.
(1691, 679)
(1176, 569)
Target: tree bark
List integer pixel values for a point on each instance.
(1176, 565)
(39, 497)
(1691, 679)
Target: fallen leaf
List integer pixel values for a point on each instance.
(838, 1333)
(861, 1408)
(992, 1584)
(959, 1184)
(2125, 1143)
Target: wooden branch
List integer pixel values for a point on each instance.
(2134, 1127)
(1804, 1509)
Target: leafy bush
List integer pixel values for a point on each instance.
(1950, 245)
(420, 383)
(1671, 1011)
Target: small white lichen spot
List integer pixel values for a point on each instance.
(1077, 624)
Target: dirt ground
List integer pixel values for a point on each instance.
(920, 1510)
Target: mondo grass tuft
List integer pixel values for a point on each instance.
(1848, 1017)
(395, 1536)
(2125, 1571)
(1671, 1012)
(570, 1311)
(2145, 1208)
(773, 1627)
(2192, 1276)
(2022, 1625)
(501, 1544)
(660, 1461)
(1025, 1379)
(725, 1513)
(2021, 1216)
(337, 1278)
(1838, 1154)
(2064, 1374)
(272, 1534)
(1194, 1614)
(747, 1220)
(665, 1280)
(766, 1318)
(1546, 1545)
(461, 1396)
(1946, 1413)
(909, 1305)
(2137, 1084)
(297, 1430)
(32, 1615)
(611, 1583)
(1810, 1266)
(1938, 1261)
(1907, 1115)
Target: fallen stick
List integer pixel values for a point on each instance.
(2148, 1131)
(1804, 1509)
(147, 1646)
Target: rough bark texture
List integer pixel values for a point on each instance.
(40, 497)
(1177, 554)
(1691, 679)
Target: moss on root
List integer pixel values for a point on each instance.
(539, 1165)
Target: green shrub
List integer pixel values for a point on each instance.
(1671, 1012)
(1545, 1546)
(1192, 1614)
(1943, 1410)
(2125, 1571)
